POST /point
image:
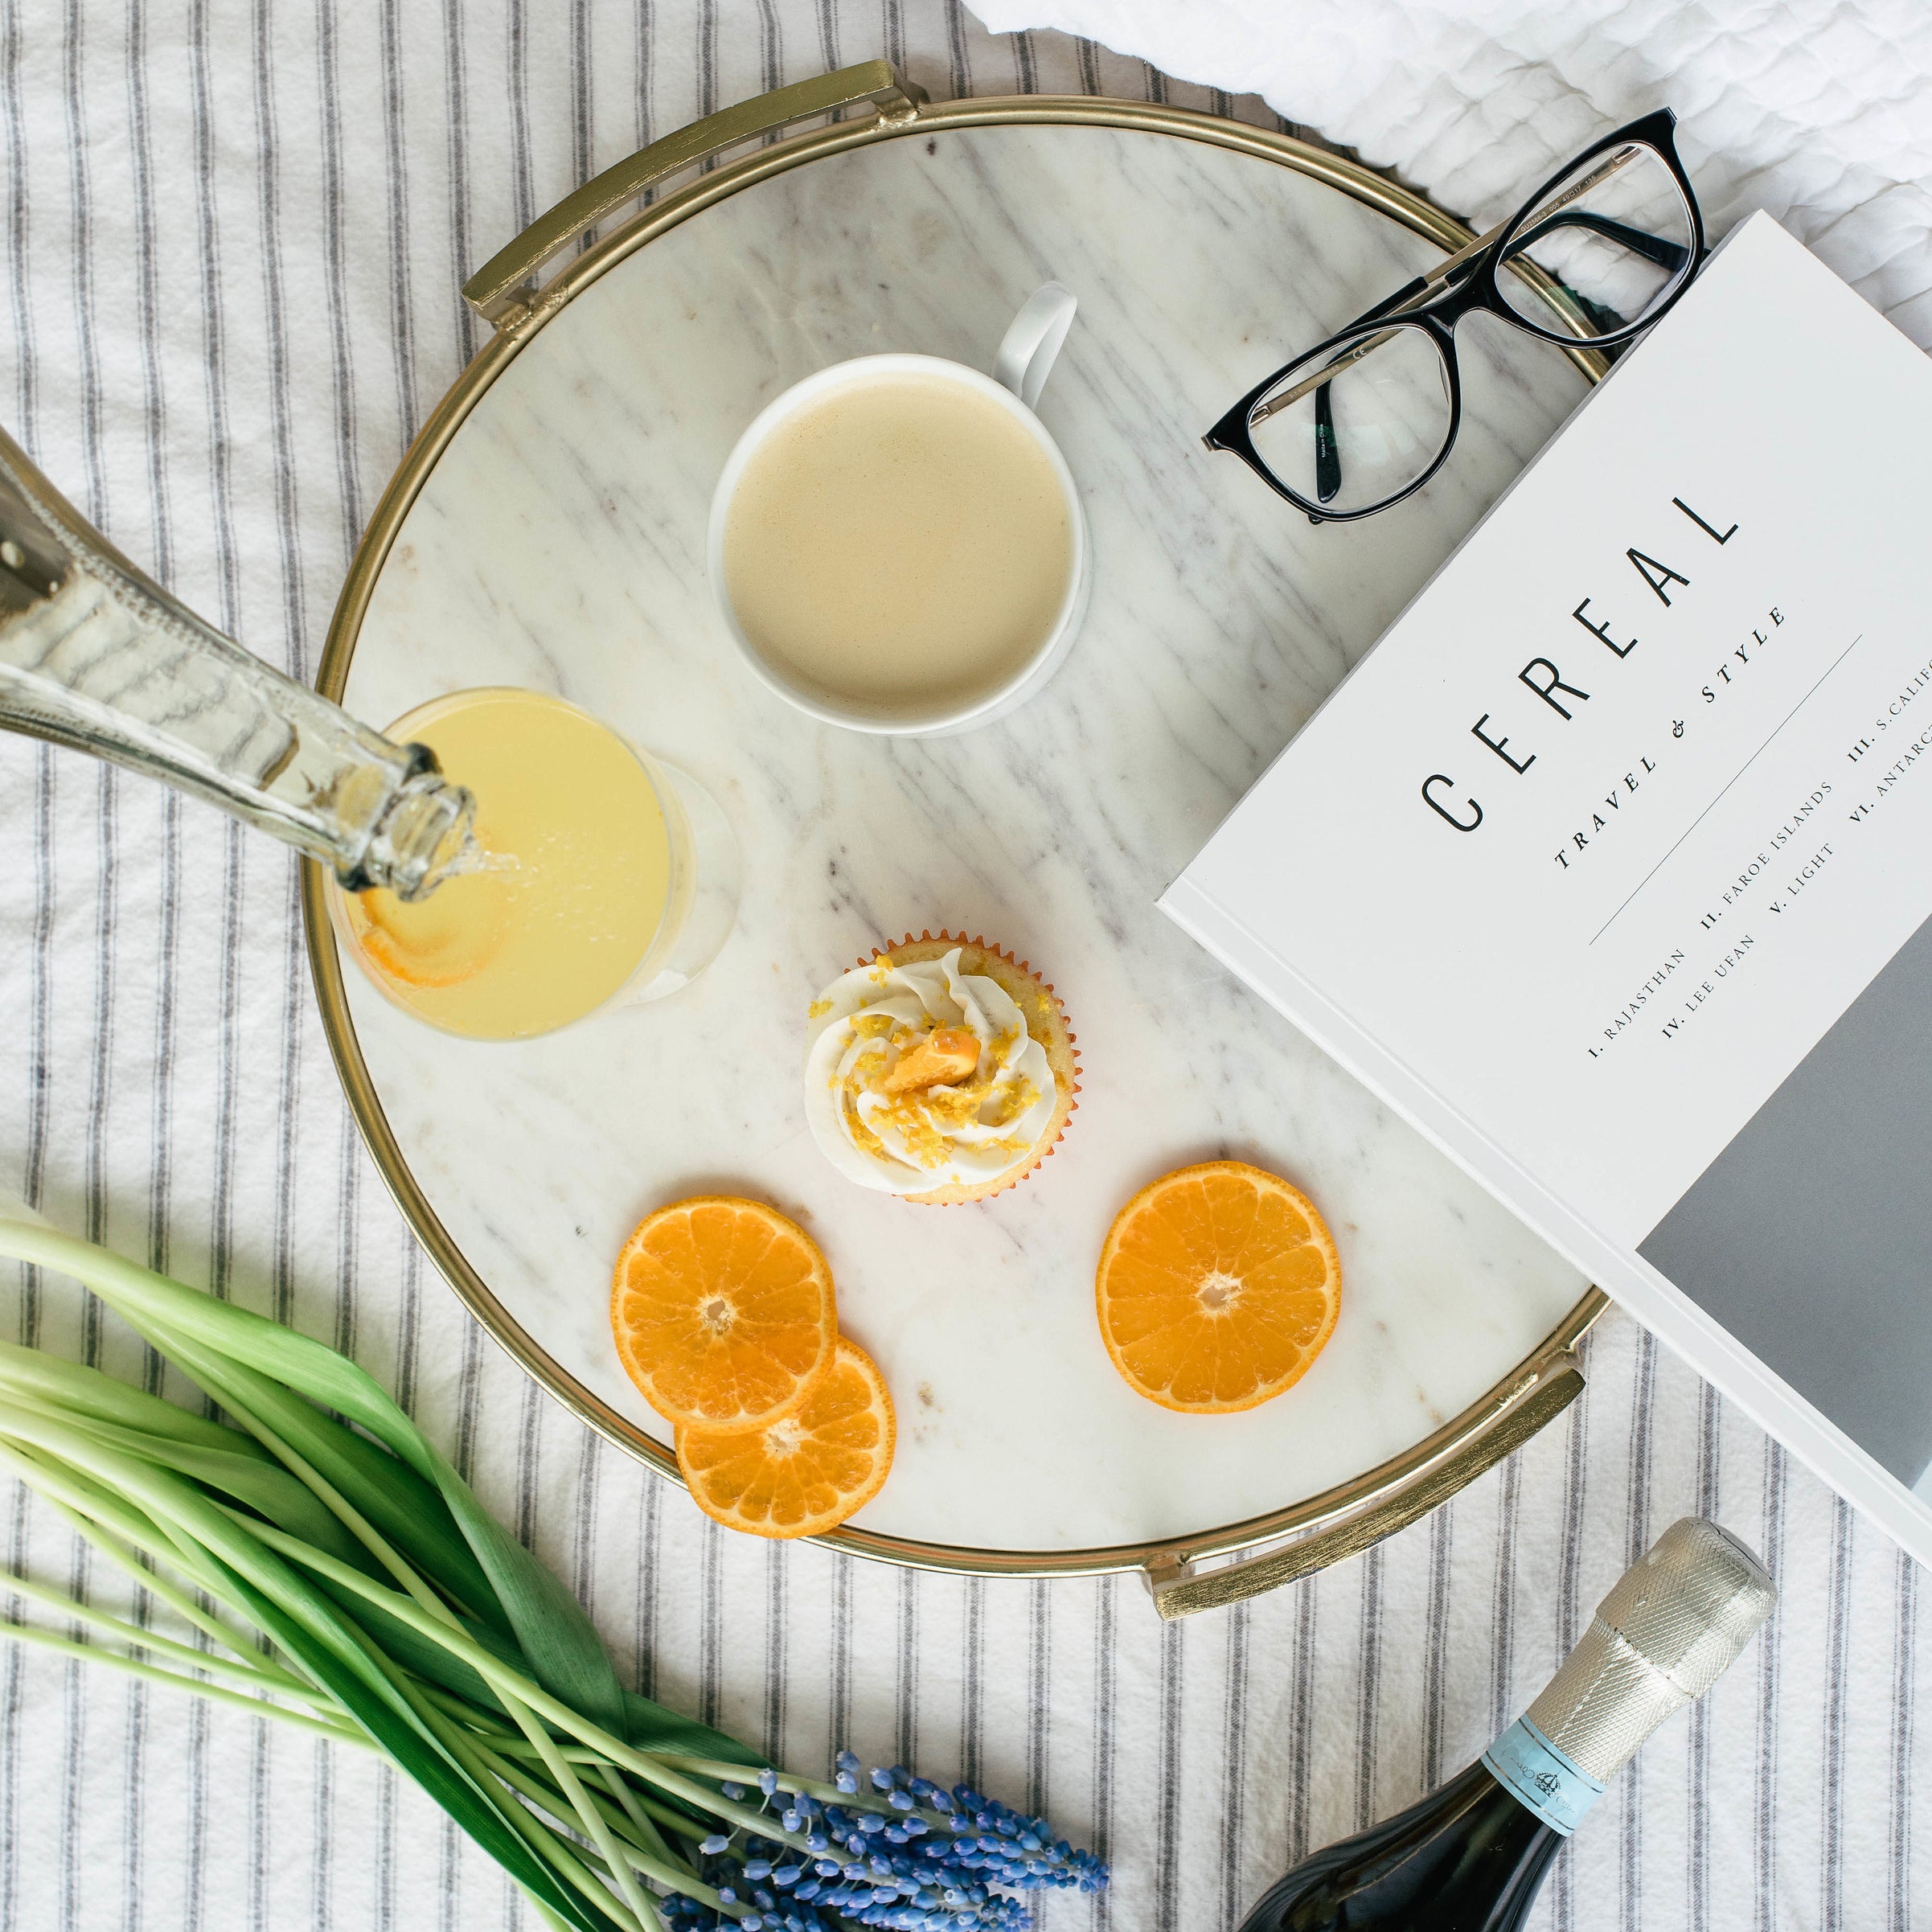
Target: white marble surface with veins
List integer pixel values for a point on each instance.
(559, 543)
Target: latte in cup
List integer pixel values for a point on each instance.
(900, 543)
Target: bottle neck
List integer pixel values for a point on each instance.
(94, 655)
(1542, 1778)
(1659, 1640)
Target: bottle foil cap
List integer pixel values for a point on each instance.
(1669, 1629)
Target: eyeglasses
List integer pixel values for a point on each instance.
(1595, 257)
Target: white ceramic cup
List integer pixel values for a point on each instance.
(1020, 369)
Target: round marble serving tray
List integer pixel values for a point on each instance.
(547, 529)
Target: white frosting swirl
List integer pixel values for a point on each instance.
(933, 1136)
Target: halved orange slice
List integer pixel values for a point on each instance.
(723, 1311)
(809, 1470)
(1217, 1287)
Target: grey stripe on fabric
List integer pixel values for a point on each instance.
(456, 96)
(1369, 1686)
(777, 1621)
(1570, 1564)
(1040, 1664)
(972, 1691)
(710, 1660)
(1234, 1738)
(583, 1522)
(1698, 1860)
(1170, 1914)
(905, 1746)
(1301, 1722)
(1832, 1899)
(1106, 1692)
(348, 488)
(517, 80)
(1898, 1863)
(645, 1591)
(1089, 67)
(1765, 1818)
(1503, 1600)
(1435, 1645)
(1025, 64)
(842, 1650)
(1636, 1540)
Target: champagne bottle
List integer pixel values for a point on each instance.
(1470, 1856)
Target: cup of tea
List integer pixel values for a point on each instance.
(896, 544)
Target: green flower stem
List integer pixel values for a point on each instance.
(176, 1599)
(206, 1369)
(542, 1910)
(265, 1678)
(64, 1485)
(672, 1876)
(425, 1600)
(633, 1802)
(117, 1530)
(464, 1711)
(558, 1853)
(594, 1822)
(90, 1653)
(645, 1832)
(508, 1683)
(200, 1529)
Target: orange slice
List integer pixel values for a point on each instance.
(427, 960)
(723, 1311)
(1218, 1286)
(809, 1470)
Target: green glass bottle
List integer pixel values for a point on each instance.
(1471, 1856)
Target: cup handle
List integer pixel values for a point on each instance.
(1028, 350)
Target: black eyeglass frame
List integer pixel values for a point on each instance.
(1470, 283)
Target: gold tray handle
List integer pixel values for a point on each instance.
(505, 291)
(1547, 1385)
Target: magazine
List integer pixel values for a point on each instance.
(1619, 847)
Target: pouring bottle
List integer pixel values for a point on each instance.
(95, 655)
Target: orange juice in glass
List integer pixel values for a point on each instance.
(600, 875)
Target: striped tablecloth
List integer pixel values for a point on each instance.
(233, 237)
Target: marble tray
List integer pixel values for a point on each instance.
(549, 530)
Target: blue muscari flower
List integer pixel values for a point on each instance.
(716, 1842)
(894, 1870)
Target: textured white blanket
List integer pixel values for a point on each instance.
(1819, 111)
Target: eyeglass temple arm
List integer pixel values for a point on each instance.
(1416, 292)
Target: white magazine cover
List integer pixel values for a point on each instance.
(1621, 840)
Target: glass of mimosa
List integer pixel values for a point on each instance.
(600, 876)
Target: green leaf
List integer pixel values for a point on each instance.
(650, 1727)
(560, 1645)
(394, 1500)
(261, 1483)
(87, 1392)
(306, 1624)
(564, 1651)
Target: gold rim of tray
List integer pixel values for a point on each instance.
(1301, 1537)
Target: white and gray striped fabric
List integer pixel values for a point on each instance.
(233, 239)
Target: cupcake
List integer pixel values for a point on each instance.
(940, 1070)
